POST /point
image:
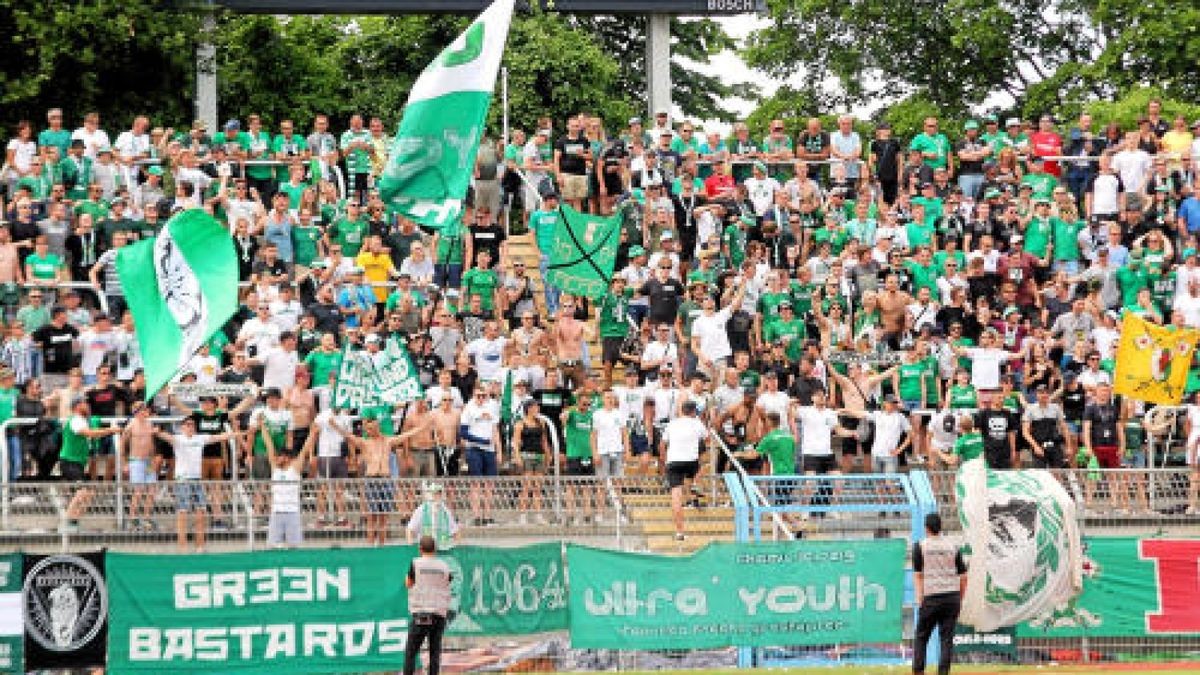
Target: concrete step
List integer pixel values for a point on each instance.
(667, 545)
(691, 525)
(663, 513)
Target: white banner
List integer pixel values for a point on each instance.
(370, 380)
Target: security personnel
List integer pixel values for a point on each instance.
(940, 577)
(428, 585)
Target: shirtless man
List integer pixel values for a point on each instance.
(740, 426)
(421, 453)
(375, 452)
(567, 339)
(138, 442)
(303, 402)
(526, 351)
(893, 307)
(855, 389)
(445, 436)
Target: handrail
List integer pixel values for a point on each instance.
(753, 489)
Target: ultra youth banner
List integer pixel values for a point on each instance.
(797, 593)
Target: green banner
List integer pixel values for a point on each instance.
(12, 622)
(584, 252)
(796, 593)
(512, 591)
(1131, 587)
(318, 611)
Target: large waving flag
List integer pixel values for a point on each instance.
(584, 252)
(181, 287)
(433, 155)
(1153, 361)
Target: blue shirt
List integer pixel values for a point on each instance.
(1189, 211)
(280, 234)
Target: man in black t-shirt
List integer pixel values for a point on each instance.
(553, 399)
(486, 235)
(971, 151)
(106, 398)
(57, 342)
(999, 435)
(664, 292)
(886, 161)
(572, 153)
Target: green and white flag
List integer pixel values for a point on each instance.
(181, 287)
(433, 155)
(584, 252)
(385, 378)
(1025, 555)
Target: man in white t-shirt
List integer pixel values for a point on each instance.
(815, 426)
(611, 437)
(189, 493)
(682, 439)
(986, 360)
(710, 339)
(890, 429)
(331, 464)
(279, 364)
(487, 352)
(479, 425)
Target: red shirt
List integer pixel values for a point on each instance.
(1048, 144)
(716, 183)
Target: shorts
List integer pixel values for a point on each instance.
(533, 462)
(424, 462)
(610, 349)
(910, 405)
(104, 447)
(998, 458)
(285, 528)
(378, 492)
(611, 466)
(884, 464)
(819, 463)
(1052, 458)
(678, 472)
(189, 496)
(260, 468)
(71, 471)
(140, 472)
(1136, 460)
(573, 186)
(299, 438)
(1107, 456)
(639, 444)
(580, 466)
(481, 462)
(331, 467)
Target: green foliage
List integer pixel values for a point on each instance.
(120, 58)
(1127, 109)
(908, 117)
(789, 105)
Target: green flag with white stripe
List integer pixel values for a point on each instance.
(433, 155)
(181, 287)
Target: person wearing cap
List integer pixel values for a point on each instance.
(572, 155)
(636, 132)
(543, 222)
(271, 427)
(972, 151)
(1037, 177)
(1014, 137)
(1045, 429)
(433, 518)
(613, 325)
(190, 497)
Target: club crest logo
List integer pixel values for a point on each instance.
(66, 603)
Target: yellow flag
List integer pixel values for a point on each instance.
(1152, 361)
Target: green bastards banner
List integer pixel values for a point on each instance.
(797, 593)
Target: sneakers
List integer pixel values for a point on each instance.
(679, 536)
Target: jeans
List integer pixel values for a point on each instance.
(15, 458)
(940, 611)
(428, 627)
(1077, 180)
(970, 184)
(552, 292)
(448, 275)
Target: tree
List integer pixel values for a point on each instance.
(700, 96)
(119, 58)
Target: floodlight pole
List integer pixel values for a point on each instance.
(206, 72)
(658, 63)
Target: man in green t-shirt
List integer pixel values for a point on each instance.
(355, 144)
(614, 326)
(1132, 278)
(786, 330)
(78, 431)
(1040, 229)
(933, 145)
(580, 454)
(482, 281)
(969, 444)
(778, 446)
(288, 146)
(1043, 183)
(542, 223)
(350, 231)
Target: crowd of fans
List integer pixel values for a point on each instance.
(825, 302)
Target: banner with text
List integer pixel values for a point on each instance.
(12, 627)
(1131, 587)
(318, 611)
(508, 591)
(797, 593)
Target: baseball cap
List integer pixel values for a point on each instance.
(155, 171)
(971, 124)
(635, 120)
(992, 193)
(666, 236)
(890, 398)
(233, 125)
(883, 125)
(372, 338)
(760, 166)
(1189, 252)
(1012, 122)
(990, 119)
(635, 251)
